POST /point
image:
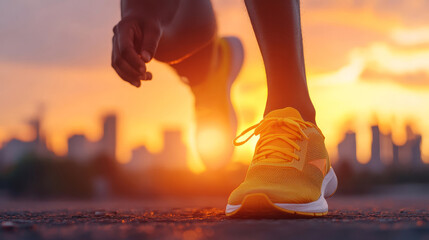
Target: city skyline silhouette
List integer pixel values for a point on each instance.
(174, 153)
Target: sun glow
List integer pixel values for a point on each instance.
(212, 148)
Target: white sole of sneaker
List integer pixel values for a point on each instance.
(258, 204)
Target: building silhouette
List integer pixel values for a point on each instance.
(173, 155)
(409, 154)
(375, 164)
(347, 151)
(141, 159)
(108, 140)
(386, 148)
(416, 154)
(384, 152)
(15, 149)
(81, 149)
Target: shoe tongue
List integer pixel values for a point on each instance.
(281, 113)
(284, 113)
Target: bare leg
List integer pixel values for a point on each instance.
(277, 27)
(189, 43)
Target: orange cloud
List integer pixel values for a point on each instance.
(410, 79)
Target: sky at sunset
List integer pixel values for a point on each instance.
(367, 62)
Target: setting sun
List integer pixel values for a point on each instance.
(211, 145)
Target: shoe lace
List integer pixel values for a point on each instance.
(292, 131)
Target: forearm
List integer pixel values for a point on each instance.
(160, 10)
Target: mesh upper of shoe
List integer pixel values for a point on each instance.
(293, 170)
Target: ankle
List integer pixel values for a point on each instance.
(305, 108)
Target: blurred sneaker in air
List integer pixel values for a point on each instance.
(215, 116)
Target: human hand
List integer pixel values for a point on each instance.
(134, 44)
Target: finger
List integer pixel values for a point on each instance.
(147, 76)
(135, 81)
(151, 37)
(127, 33)
(121, 64)
(124, 70)
(124, 76)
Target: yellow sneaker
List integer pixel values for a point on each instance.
(215, 115)
(290, 174)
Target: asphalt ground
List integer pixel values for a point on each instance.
(350, 217)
